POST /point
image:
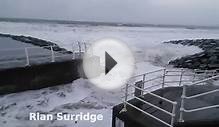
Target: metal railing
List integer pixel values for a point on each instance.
(184, 97)
(172, 114)
(50, 53)
(159, 78)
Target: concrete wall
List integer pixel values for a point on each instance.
(39, 76)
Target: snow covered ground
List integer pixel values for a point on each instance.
(81, 96)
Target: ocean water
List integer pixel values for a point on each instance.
(145, 42)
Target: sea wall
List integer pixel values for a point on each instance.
(39, 76)
(36, 41)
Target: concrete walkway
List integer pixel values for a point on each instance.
(136, 118)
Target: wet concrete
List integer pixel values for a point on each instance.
(134, 117)
(39, 76)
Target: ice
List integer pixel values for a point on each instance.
(145, 42)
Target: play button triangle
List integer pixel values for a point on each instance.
(109, 63)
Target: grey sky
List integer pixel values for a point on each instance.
(186, 12)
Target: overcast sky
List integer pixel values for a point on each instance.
(184, 12)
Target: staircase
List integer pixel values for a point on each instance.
(192, 97)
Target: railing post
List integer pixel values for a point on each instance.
(91, 49)
(52, 54)
(85, 46)
(174, 113)
(181, 75)
(182, 107)
(143, 81)
(27, 57)
(164, 75)
(138, 85)
(79, 48)
(194, 76)
(206, 76)
(73, 54)
(126, 92)
(144, 77)
(206, 73)
(126, 99)
(214, 73)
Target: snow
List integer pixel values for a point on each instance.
(145, 42)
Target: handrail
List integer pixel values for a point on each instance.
(178, 81)
(202, 94)
(155, 106)
(148, 114)
(29, 47)
(134, 92)
(186, 74)
(24, 59)
(27, 56)
(183, 97)
(172, 114)
(147, 73)
(12, 61)
(152, 79)
(153, 86)
(165, 73)
(204, 80)
(200, 109)
(205, 70)
(155, 95)
(174, 71)
(198, 71)
(36, 47)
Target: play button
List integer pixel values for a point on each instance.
(108, 63)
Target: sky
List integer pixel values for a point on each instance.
(174, 12)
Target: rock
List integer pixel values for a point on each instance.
(37, 42)
(208, 59)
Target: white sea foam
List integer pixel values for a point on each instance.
(82, 96)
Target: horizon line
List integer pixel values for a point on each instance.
(105, 23)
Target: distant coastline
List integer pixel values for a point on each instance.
(92, 23)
